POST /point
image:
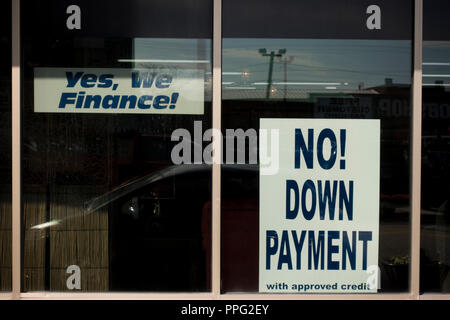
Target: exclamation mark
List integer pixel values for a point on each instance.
(173, 100)
(343, 136)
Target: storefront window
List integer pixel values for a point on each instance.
(106, 207)
(5, 145)
(119, 185)
(435, 214)
(288, 65)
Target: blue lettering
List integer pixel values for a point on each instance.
(67, 98)
(308, 185)
(110, 102)
(88, 80)
(346, 199)
(271, 250)
(285, 258)
(326, 134)
(325, 197)
(72, 80)
(146, 81)
(161, 102)
(332, 265)
(105, 80)
(80, 99)
(97, 99)
(163, 81)
(300, 146)
(316, 251)
(131, 100)
(291, 185)
(365, 236)
(299, 246)
(174, 99)
(141, 103)
(347, 250)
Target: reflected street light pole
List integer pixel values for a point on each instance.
(272, 54)
(285, 61)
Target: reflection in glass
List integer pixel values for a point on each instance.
(5, 147)
(317, 78)
(100, 191)
(435, 201)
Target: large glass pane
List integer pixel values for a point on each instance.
(105, 205)
(5, 145)
(435, 253)
(284, 62)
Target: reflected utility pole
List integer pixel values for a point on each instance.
(272, 54)
(285, 61)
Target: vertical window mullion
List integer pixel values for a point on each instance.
(416, 127)
(16, 146)
(216, 124)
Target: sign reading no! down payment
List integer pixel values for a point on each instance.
(86, 90)
(319, 212)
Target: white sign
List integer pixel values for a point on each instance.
(319, 213)
(155, 91)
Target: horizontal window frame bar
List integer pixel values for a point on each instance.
(212, 296)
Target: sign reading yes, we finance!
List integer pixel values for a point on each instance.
(319, 212)
(86, 90)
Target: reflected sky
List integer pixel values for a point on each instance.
(436, 63)
(349, 64)
(153, 49)
(339, 64)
